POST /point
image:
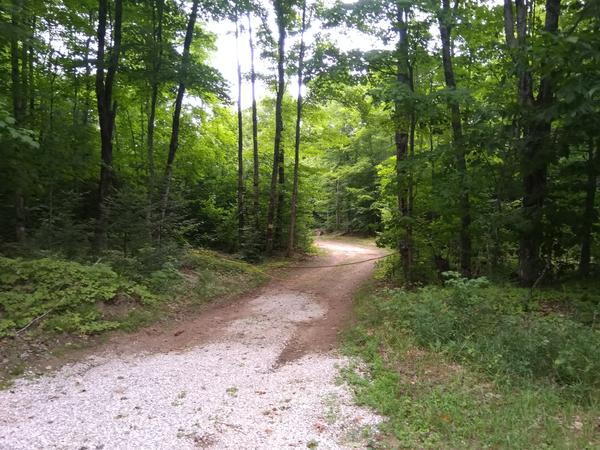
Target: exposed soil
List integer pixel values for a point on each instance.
(210, 379)
(331, 287)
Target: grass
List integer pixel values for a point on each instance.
(435, 395)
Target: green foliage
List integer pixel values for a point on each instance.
(411, 375)
(487, 326)
(56, 295)
(214, 275)
(65, 293)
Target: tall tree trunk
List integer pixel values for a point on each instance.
(293, 206)
(31, 57)
(107, 110)
(88, 71)
(401, 137)
(157, 52)
(445, 25)
(410, 191)
(240, 180)
(255, 179)
(280, 200)
(535, 138)
(589, 213)
(337, 205)
(185, 60)
(278, 125)
(18, 103)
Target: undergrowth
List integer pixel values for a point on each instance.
(62, 295)
(49, 304)
(56, 295)
(472, 365)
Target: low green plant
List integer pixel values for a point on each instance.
(449, 368)
(66, 294)
(487, 326)
(215, 274)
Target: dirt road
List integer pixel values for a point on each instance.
(257, 373)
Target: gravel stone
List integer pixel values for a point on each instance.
(227, 394)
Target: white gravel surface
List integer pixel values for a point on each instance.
(229, 394)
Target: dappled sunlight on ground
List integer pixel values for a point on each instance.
(340, 247)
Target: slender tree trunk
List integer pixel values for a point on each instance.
(338, 222)
(280, 199)
(24, 69)
(107, 110)
(410, 176)
(88, 88)
(18, 103)
(173, 144)
(401, 138)
(16, 82)
(293, 206)
(445, 25)
(589, 213)
(255, 179)
(157, 19)
(31, 57)
(240, 180)
(278, 126)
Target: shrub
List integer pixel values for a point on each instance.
(66, 293)
(485, 325)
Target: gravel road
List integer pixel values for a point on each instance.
(259, 373)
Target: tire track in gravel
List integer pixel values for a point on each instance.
(256, 373)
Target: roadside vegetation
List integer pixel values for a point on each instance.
(472, 364)
(49, 304)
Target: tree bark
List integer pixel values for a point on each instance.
(445, 24)
(157, 52)
(240, 180)
(88, 71)
(278, 125)
(174, 142)
(401, 137)
(535, 133)
(293, 206)
(589, 213)
(535, 160)
(31, 57)
(255, 180)
(107, 109)
(278, 240)
(18, 104)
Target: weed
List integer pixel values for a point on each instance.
(332, 408)
(232, 391)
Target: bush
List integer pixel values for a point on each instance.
(65, 293)
(487, 326)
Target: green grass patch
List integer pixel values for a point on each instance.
(464, 366)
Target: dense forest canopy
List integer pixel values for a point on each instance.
(464, 134)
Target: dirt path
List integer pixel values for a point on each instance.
(257, 373)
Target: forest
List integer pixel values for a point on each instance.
(465, 137)
(460, 135)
